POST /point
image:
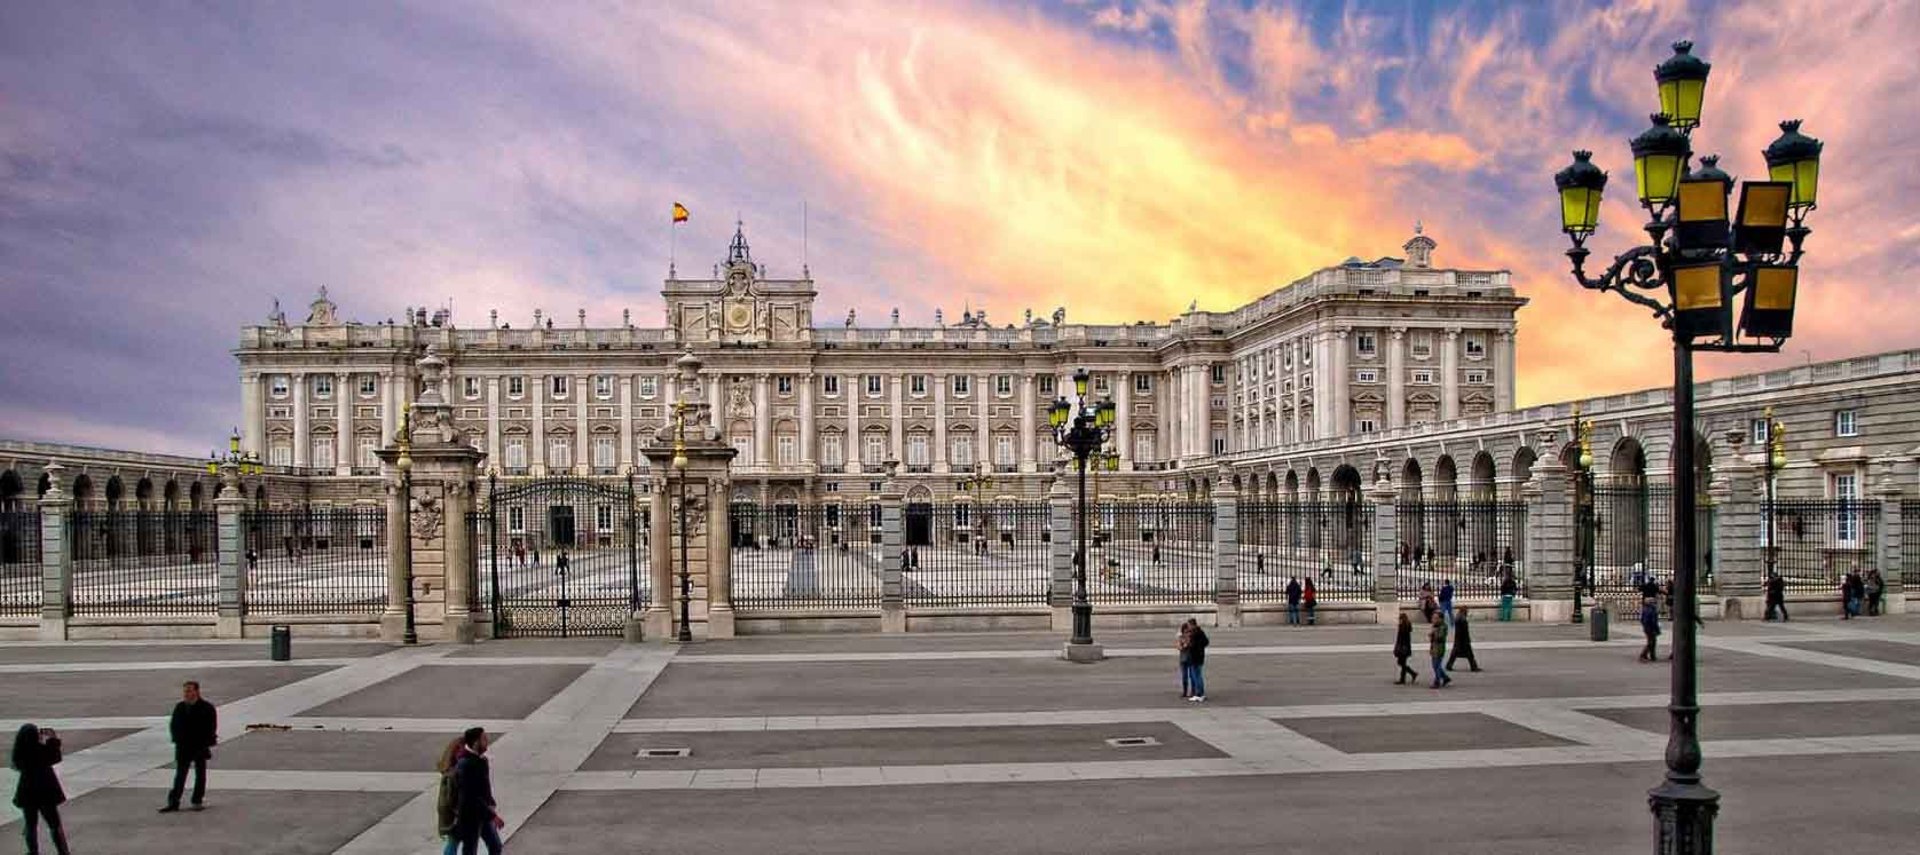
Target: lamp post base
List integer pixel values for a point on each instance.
(1083, 653)
(1685, 814)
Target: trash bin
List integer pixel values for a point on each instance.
(1597, 623)
(281, 644)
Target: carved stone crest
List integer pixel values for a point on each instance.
(428, 517)
(739, 402)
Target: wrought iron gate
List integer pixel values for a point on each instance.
(561, 557)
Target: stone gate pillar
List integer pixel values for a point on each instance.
(1739, 565)
(1384, 549)
(693, 484)
(1896, 552)
(230, 508)
(1550, 537)
(428, 497)
(1226, 551)
(56, 558)
(1060, 549)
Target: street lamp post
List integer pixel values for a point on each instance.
(404, 463)
(978, 483)
(1696, 262)
(1082, 428)
(1776, 461)
(1588, 511)
(685, 635)
(245, 463)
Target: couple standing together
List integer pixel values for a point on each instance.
(1193, 658)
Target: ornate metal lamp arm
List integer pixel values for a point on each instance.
(1637, 268)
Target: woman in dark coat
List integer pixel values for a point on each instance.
(1403, 650)
(35, 753)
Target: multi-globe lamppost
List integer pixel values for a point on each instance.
(1688, 274)
(685, 635)
(1586, 508)
(404, 462)
(246, 463)
(1082, 428)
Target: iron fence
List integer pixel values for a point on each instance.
(963, 554)
(805, 556)
(560, 557)
(144, 562)
(316, 560)
(1910, 543)
(1623, 539)
(1816, 542)
(1472, 544)
(20, 562)
(1328, 542)
(1158, 552)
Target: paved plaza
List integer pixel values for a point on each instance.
(988, 742)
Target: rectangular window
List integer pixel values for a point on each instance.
(366, 455)
(1423, 377)
(1101, 385)
(962, 384)
(1476, 348)
(1846, 528)
(917, 384)
(603, 448)
(783, 385)
(603, 386)
(1367, 375)
(873, 385)
(1219, 403)
(280, 453)
(1422, 347)
(558, 386)
(603, 518)
(831, 454)
(1219, 444)
(830, 384)
(323, 387)
(1143, 383)
(1003, 385)
(1046, 384)
(962, 451)
(1846, 423)
(516, 387)
(1143, 447)
(517, 519)
(1219, 373)
(874, 450)
(277, 385)
(649, 387)
(516, 452)
(471, 386)
(1003, 450)
(786, 449)
(1476, 377)
(917, 450)
(1757, 432)
(323, 452)
(1367, 343)
(833, 515)
(368, 386)
(559, 454)
(1366, 425)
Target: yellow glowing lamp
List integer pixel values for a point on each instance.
(1103, 415)
(1581, 185)
(1080, 382)
(233, 442)
(1700, 305)
(1683, 85)
(1659, 161)
(1761, 226)
(1795, 157)
(1057, 414)
(1701, 213)
(213, 464)
(1770, 297)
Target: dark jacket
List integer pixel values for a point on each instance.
(1777, 589)
(1197, 647)
(1403, 641)
(1446, 594)
(1293, 592)
(1508, 587)
(1462, 637)
(1649, 616)
(472, 794)
(39, 786)
(195, 728)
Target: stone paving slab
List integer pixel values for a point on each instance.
(1773, 721)
(255, 649)
(123, 822)
(144, 692)
(1880, 651)
(896, 747)
(454, 691)
(334, 750)
(83, 738)
(785, 688)
(538, 647)
(1437, 732)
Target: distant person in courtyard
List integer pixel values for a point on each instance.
(475, 816)
(1776, 596)
(1403, 650)
(1196, 661)
(1156, 553)
(1437, 650)
(1650, 624)
(1427, 604)
(1462, 643)
(1181, 646)
(1293, 601)
(1446, 599)
(38, 795)
(1260, 563)
(253, 560)
(1876, 590)
(1509, 588)
(443, 804)
(195, 728)
(562, 563)
(1310, 598)
(1852, 591)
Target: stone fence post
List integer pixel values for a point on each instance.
(1060, 551)
(1550, 538)
(893, 607)
(1226, 553)
(230, 509)
(56, 558)
(1383, 549)
(1739, 567)
(1895, 552)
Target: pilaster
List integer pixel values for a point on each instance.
(1226, 552)
(56, 558)
(1895, 552)
(1060, 549)
(231, 559)
(893, 608)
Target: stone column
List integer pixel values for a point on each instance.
(1295, 374)
(719, 558)
(230, 507)
(1550, 537)
(658, 622)
(1739, 567)
(1123, 418)
(1029, 437)
(893, 607)
(625, 457)
(896, 414)
(537, 455)
(1165, 406)
(494, 450)
(1339, 385)
(940, 382)
(393, 617)
(762, 423)
(1450, 375)
(1503, 378)
(1895, 552)
(808, 438)
(1060, 551)
(1396, 377)
(985, 432)
(343, 424)
(302, 435)
(1383, 551)
(851, 451)
(582, 440)
(56, 558)
(389, 408)
(1202, 410)
(253, 414)
(1226, 552)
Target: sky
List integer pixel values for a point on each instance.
(168, 169)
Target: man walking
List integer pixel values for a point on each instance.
(1446, 599)
(1437, 649)
(1776, 596)
(195, 728)
(1462, 643)
(475, 818)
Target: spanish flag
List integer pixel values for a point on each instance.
(679, 213)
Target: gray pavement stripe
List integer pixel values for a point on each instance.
(86, 667)
(535, 758)
(1247, 735)
(1831, 660)
(1575, 726)
(106, 722)
(449, 726)
(296, 780)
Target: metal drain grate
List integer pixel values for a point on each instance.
(1132, 742)
(646, 753)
